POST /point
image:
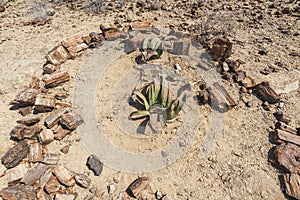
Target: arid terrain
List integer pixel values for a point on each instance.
(234, 163)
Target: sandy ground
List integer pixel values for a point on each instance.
(237, 166)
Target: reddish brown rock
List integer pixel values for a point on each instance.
(292, 185)
(286, 157)
(34, 174)
(21, 132)
(25, 98)
(14, 155)
(29, 121)
(137, 187)
(18, 192)
(266, 93)
(35, 152)
(65, 176)
(221, 49)
(56, 78)
(52, 185)
(71, 120)
(44, 103)
(53, 118)
(25, 110)
(58, 55)
(60, 133)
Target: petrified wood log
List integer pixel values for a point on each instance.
(50, 159)
(285, 127)
(35, 152)
(25, 98)
(286, 156)
(219, 98)
(292, 185)
(14, 155)
(29, 121)
(83, 180)
(52, 119)
(52, 185)
(57, 55)
(21, 132)
(34, 174)
(44, 103)
(136, 188)
(71, 120)
(266, 93)
(60, 133)
(18, 192)
(56, 78)
(46, 136)
(72, 41)
(65, 176)
(287, 137)
(76, 49)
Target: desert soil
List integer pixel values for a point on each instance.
(236, 167)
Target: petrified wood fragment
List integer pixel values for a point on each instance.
(292, 185)
(60, 133)
(21, 132)
(65, 176)
(56, 78)
(266, 93)
(25, 98)
(220, 99)
(14, 155)
(18, 192)
(57, 55)
(44, 103)
(35, 152)
(221, 49)
(94, 164)
(71, 120)
(29, 121)
(136, 188)
(34, 173)
(50, 159)
(83, 180)
(53, 118)
(46, 136)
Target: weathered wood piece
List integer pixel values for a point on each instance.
(280, 116)
(137, 187)
(76, 49)
(16, 173)
(283, 126)
(34, 173)
(83, 180)
(25, 110)
(50, 159)
(65, 176)
(46, 136)
(53, 118)
(60, 133)
(49, 68)
(45, 177)
(56, 78)
(141, 26)
(182, 47)
(286, 156)
(292, 185)
(221, 49)
(29, 121)
(287, 137)
(18, 192)
(21, 132)
(44, 103)
(94, 164)
(52, 185)
(14, 155)
(25, 98)
(72, 41)
(35, 152)
(57, 55)
(71, 120)
(266, 93)
(220, 99)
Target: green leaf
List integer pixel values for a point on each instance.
(140, 95)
